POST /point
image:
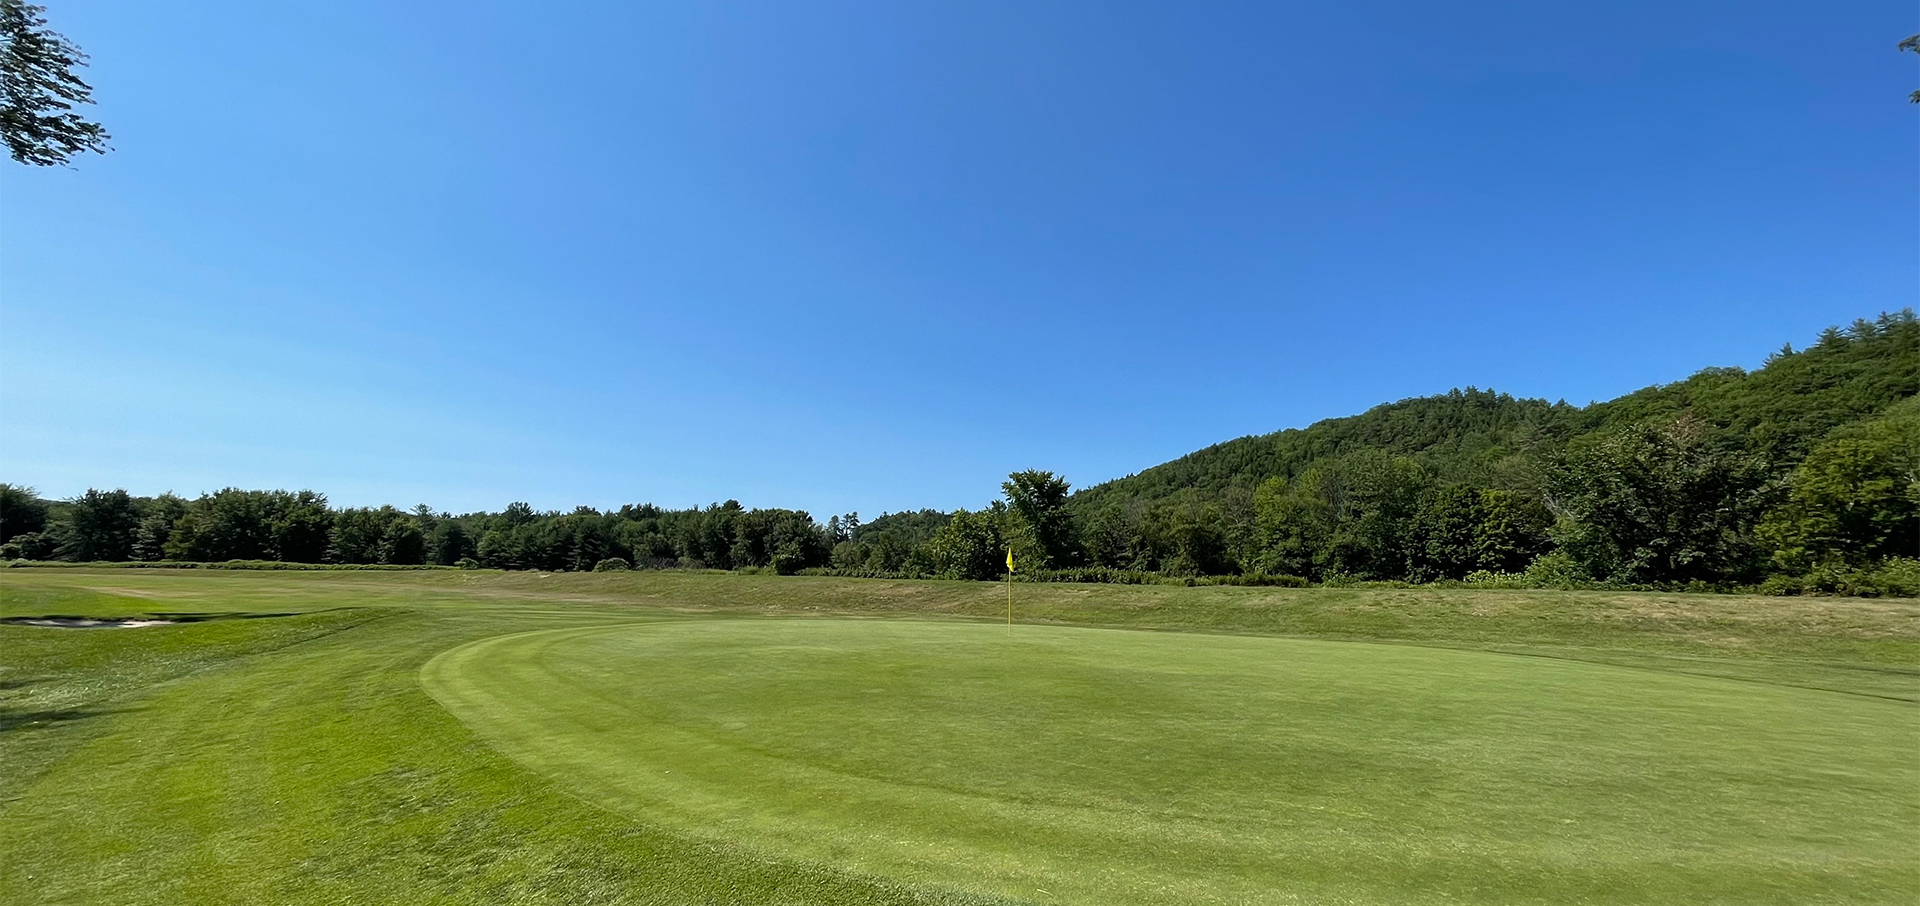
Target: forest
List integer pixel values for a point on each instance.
(1797, 477)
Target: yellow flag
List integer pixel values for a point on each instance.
(1009, 559)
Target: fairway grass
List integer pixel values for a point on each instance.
(475, 737)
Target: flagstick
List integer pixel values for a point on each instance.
(1009, 592)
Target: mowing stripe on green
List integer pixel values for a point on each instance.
(1103, 766)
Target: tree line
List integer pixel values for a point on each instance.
(1801, 475)
(301, 527)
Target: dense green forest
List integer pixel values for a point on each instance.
(1801, 469)
(1803, 475)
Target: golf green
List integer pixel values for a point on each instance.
(1100, 766)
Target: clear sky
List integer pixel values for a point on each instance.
(873, 256)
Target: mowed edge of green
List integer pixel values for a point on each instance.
(578, 740)
(323, 774)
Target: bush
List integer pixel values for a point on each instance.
(1096, 574)
(611, 565)
(1555, 570)
(1264, 580)
(1783, 585)
(30, 546)
(1349, 580)
(467, 563)
(789, 557)
(1895, 577)
(1486, 578)
(852, 572)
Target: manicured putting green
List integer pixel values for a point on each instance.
(1102, 766)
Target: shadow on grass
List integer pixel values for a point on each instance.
(186, 617)
(12, 721)
(71, 621)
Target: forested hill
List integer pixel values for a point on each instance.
(1462, 436)
(1480, 437)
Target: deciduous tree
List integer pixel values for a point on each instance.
(1855, 499)
(21, 511)
(39, 90)
(1037, 501)
(1660, 502)
(101, 526)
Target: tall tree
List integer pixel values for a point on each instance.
(1513, 530)
(357, 533)
(449, 543)
(1038, 501)
(102, 526)
(969, 546)
(302, 526)
(1856, 498)
(1293, 525)
(403, 543)
(1660, 502)
(38, 90)
(150, 539)
(1374, 501)
(21, 512)
(1197, 543)
(229, 524)
(1447, 530)
(1114, 537)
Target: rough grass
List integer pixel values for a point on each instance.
(297, 759)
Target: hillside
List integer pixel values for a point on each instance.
(1482, 437)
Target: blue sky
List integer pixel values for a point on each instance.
(873, 256)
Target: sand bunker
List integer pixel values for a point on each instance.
(85, 623)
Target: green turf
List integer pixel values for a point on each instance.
(1501, 747)
(1102, 766)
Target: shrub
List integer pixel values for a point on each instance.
(1780, 584)
(1555, 570)
(1096, 574)
(851, 572)
(1899, 577)
(789, 557)
(1349, 580)
(1486, 578)
(611, 565)
(30, 546)
(467, 563)
(1265, 580)
(1895, 577)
